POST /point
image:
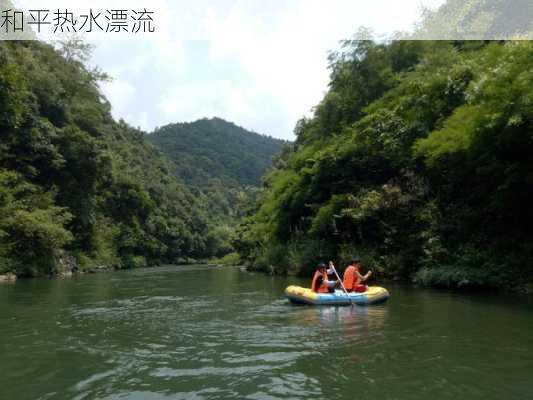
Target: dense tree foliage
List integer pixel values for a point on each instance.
(418, 158)
(73, 179)
(222, 164)
(210, 149)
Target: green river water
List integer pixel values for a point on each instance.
(221, 333)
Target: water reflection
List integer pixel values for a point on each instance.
(349, 318)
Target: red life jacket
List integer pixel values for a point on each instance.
(350, 278)
(323, 288)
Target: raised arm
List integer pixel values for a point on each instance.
(331, 268)
(365, 276)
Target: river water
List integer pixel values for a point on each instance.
(221, 333)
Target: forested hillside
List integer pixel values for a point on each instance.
(221, 163)
(210, 149)
(418, 159)
(74, 181)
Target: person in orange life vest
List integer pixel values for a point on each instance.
(352, 279)
(320, 282)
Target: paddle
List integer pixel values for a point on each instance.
(342, 284)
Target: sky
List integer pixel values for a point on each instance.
(261, 64)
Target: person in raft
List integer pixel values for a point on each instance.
(330, 271)
(352, 279)
(320, 282)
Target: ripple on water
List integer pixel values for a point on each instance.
(290, 385)
(273, 357)
(169, 373)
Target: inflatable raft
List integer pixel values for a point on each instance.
(300, 295)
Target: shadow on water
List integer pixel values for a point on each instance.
(215, 333)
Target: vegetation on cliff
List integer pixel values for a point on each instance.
(74, 179)
(418, 159)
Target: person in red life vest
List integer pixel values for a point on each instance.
(352, 279)
(320, 282)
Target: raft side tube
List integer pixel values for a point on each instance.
(300, 295)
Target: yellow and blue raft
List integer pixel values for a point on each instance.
(300, 295)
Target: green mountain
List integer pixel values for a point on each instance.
(222, 164)
(418, 159)
(210, 149)
(74, 181)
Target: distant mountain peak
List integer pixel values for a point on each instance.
(214, 148)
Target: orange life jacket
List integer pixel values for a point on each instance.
(350, 278)
(323, 288)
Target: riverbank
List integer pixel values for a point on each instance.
(67, 266)
(380, 275)
(9, 277)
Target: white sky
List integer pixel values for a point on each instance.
(259, 63)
